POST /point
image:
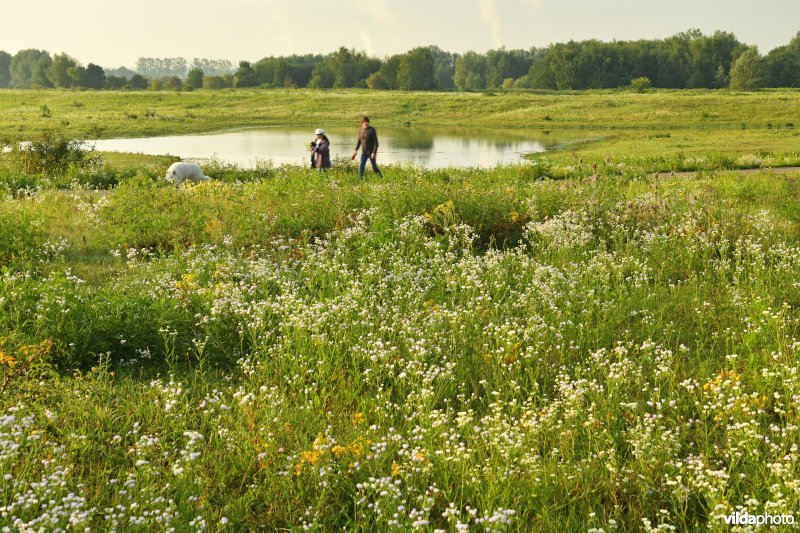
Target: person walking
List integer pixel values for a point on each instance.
(368, 141)
(321, 150)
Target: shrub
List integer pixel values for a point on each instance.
(217, 82)
(143, 215)
(747, 72)
(16, 182)
(640, 84)
(20, 235)
(50, 154)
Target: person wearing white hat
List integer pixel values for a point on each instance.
(321, 150)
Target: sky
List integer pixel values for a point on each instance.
(115, 33)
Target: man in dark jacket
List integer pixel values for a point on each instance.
(368, 141)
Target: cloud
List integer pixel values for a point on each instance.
(374, 25)
(278, 22)
(377, 10)
(366, 42)
(532, 5)
(491, 17)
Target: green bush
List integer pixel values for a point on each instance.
(15, 182)
(640, 84)
(49, 155)
(144, 214)
(21, 237)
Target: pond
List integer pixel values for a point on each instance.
(432, 148)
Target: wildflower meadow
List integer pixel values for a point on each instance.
(449, 350)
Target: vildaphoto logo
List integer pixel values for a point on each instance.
(747, 519)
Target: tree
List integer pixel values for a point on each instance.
(782, 65)
(540, 76)
(194, 78)
(672, 59)
(705, 54)
(687, 59)
(376, 82)
(94, 77)
(115, 82)
(213, 67)
(5, 73)
(502, 64)
(58, 72)
(386, 77)
(747, 72)
(171, 83)
(416, 70)
(344, 65)
(77, 74)
(322, 77)
(288, 71)
(444, 67)
(120, 72)
(721, 78)
(245, 75)
(217, 82)
(301, 67)
(344, 68)
(28, 69)
(266, 69)
(470, 72)
(138, 82)
(154, 67)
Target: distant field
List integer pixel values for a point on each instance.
(621, 123)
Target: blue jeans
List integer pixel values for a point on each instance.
(364, 158)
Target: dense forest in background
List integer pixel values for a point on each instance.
(686, 60)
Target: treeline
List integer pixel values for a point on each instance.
(686, 60)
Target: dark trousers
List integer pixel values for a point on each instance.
(364, 158)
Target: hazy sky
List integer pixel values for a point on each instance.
(115, 33)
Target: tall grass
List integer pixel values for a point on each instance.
(435, 350)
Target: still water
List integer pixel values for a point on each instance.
(432, 148)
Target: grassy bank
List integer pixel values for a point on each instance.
(620, 122)
(484, 348)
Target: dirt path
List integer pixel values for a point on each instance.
(774, 170)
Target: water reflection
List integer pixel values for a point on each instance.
(433, 148)
(412, 139)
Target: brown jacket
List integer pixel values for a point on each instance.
(367, 140)
(323, 152)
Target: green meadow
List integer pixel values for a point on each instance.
(573, 343)
(620, 122)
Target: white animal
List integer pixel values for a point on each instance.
(180, 172)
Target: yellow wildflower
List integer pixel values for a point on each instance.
(6, 359)
(186, 283)
(311, 457)
(320, 441)
(356, 448)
